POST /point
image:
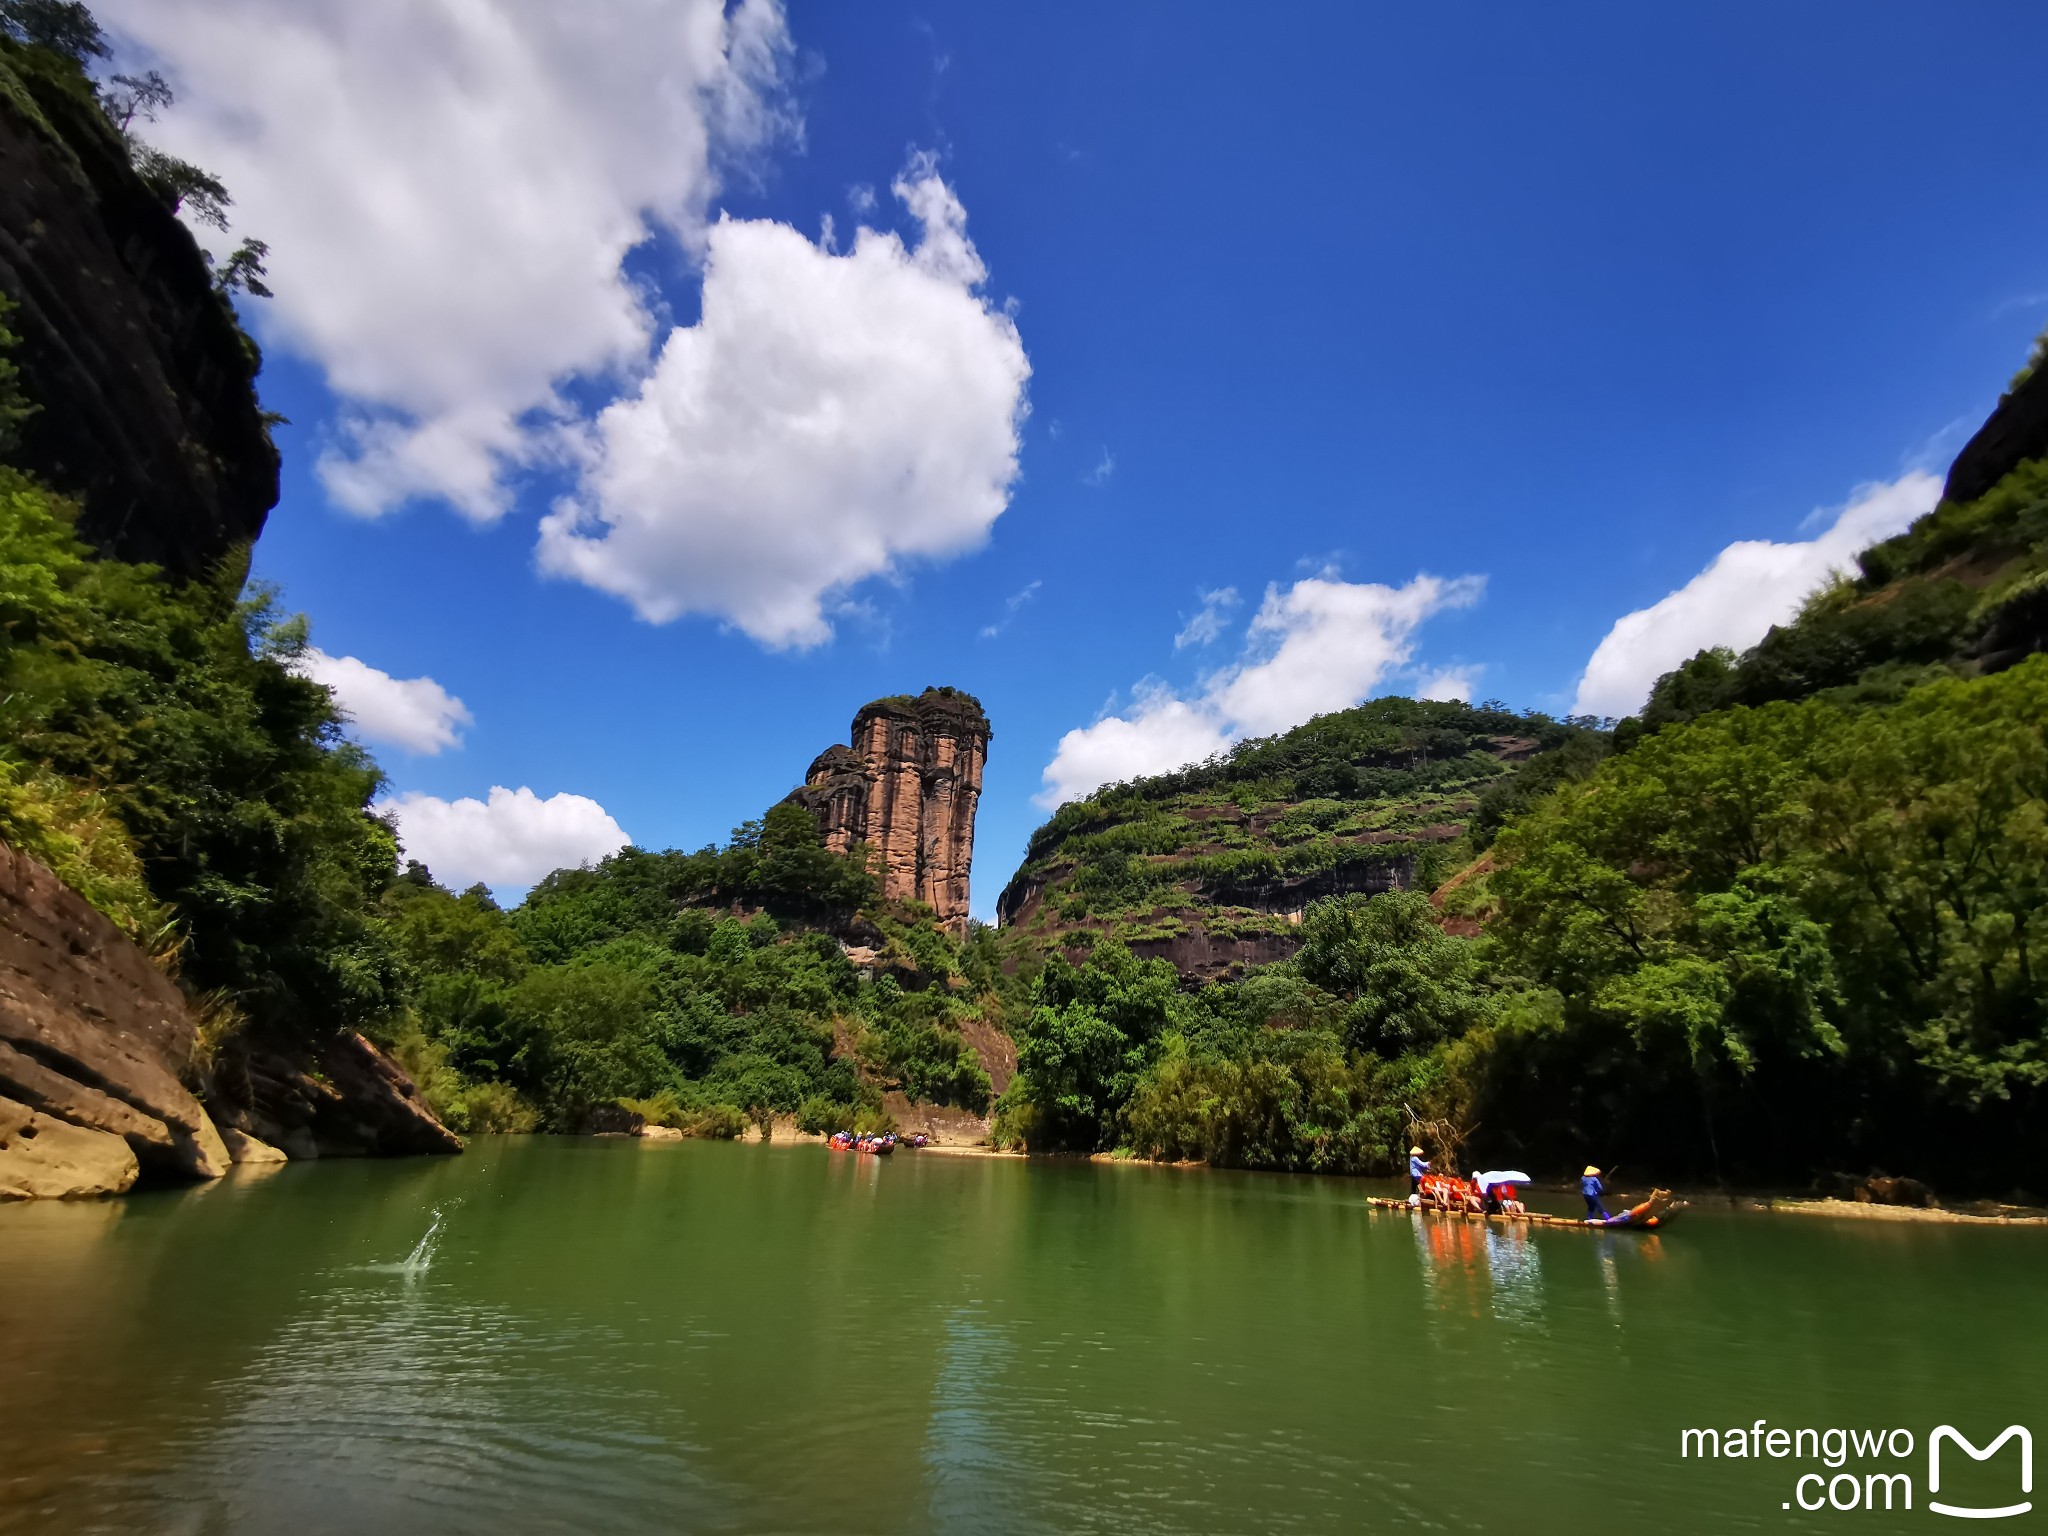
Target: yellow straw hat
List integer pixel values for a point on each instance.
(1415, 1151)
(1592, 1172)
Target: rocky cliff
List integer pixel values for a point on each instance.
(93, 1039)
(143, 381)
(907, 786)
(2016, 431)
(96, 1062)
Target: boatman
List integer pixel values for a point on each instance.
(1418, 1165)
(1591, 1187)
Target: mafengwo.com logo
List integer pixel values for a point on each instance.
(1869, 1469)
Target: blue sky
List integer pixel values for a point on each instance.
(1594, 309)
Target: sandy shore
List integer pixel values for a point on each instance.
(1977, 1213)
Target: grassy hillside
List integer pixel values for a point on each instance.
(1211, 867)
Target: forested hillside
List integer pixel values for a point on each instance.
(1793, 924)
(1211, 867)
(701, 991)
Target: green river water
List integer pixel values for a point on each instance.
(611, 1336)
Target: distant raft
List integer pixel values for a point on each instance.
(1657, 1211)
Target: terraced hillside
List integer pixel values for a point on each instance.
(1210, 867)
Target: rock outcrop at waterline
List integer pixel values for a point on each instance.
(95, 1046)
(908, 786)
(333, 1096)
(93, 1039)
(143, 382)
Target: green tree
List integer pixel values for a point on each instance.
(248, 808)
(1086, 1040)
(1408, 984)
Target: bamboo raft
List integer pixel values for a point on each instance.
(1647, 1215)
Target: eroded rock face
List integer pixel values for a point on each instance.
(145, 385)
(335, 1097)
(92, 1035)
(908, 787)
(94, 1044)
(44, 1158)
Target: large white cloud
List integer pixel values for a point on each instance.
(831, 415)
(448, 189)
(415, 713)
(1744, 590)
(512, 839)
(1319, 645)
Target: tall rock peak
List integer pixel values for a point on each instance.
(907, 786)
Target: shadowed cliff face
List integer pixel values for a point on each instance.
(146, 385)
(2016, 430)
(908, 787)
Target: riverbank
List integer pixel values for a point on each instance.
(1976, 1213)
(1973, 1213)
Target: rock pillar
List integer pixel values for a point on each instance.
(908, 787)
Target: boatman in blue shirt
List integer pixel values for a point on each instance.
(1418, 1165)
(1591, 1187)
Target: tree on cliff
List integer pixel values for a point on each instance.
(68, 29)
(64, 27)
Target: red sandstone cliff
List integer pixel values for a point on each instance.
(96, 1044)
(908, 787)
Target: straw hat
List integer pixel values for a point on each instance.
(1415, 1151)
(1592, 1172)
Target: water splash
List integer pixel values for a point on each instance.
(421, 1259)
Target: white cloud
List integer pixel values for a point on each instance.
(828, 418)
(1103, 469)
(1323, 644)
(1208, 624)
(512, 840)
(1160, 732)
(415, 713)
(1319, 645)
(1744, 590)
(1449, 683)
(448, 189)
(1012, 605)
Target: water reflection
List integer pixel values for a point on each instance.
(1453, 1255)
(458, 1406)
(1515, 1264)
(972, 1465)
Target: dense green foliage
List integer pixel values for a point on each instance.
(1794, 923)
(1780, 935)
(1965, 589)
(1763, 943)
(1300, 1065)
(174, 707)
(668, 980)
(1351, 801)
